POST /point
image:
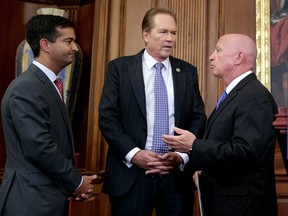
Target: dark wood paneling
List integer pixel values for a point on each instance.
(84, 38)
(12, 33)
(222, 17)
(14, 15)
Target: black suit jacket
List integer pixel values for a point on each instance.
(122, 114)
(39, 172)
(237, 155)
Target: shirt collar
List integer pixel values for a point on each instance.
(236, 81)
(150, 61)
(49, 73)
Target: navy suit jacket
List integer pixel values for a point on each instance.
(237, 155)
(122, 114)
(39, 172)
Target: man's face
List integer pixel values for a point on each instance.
(161, 39)
(222, 59)
(62, 51)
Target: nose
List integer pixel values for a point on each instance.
(75, 47)
(170, 37)
(211, 56)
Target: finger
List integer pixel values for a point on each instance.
(92, 177)
(164, 173)
(179, 130)
(78, 199)
(165, 156)
(90, 190)
(152, 171)
(85, 196)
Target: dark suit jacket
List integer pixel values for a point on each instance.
(39, 172)
(122, 114)
(237, 156)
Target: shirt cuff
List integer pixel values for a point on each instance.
(185, 159)
(79, 184)
(129, 156)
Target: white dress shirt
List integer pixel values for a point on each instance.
(148, 63)
(50, 74)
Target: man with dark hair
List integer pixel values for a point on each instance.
(144, 97)
(39, 173)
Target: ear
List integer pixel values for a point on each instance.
(44, 45)
(239, 58)
(145, 36)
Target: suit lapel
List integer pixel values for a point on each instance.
(52, 90)
(135, 71)
(179, 81)
(229, 99)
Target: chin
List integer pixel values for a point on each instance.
(165, 55)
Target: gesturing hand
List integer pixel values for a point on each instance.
(182, 142)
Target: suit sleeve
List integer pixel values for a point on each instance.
(32, 120)
(119, 112)
(242, 136)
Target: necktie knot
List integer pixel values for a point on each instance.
(59, 85)
(221, 99)
(158, 66)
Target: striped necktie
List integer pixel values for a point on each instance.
(59, 85)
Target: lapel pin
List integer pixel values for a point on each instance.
(178, 70)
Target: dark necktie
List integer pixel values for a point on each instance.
(221, 99)
(59, 85)
(161, 123)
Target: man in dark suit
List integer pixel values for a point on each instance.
(237, 154)
(39, 173)
(126, 119)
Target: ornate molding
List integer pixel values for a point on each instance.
(263, 42)
(60, 2)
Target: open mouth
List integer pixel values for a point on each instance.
(167, 47)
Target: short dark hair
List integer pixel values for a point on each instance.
(148, 20)
(44, 26)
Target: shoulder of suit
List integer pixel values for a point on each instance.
(176, 62)
(129, 57)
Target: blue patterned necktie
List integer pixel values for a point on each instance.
(221, 99)
(161, 124)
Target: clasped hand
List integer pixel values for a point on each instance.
(154, 163)
(85, 191)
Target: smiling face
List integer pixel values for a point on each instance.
(59, 53)
(161, 39)
(64, 48)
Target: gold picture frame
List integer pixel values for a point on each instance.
(263, 71)
(271, 41)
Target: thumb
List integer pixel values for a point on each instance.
(178, 130)
(92, 177)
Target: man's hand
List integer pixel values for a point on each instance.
(85, 190)
(182, 142)
(142, 158)
(155, 163)
(164, 165)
